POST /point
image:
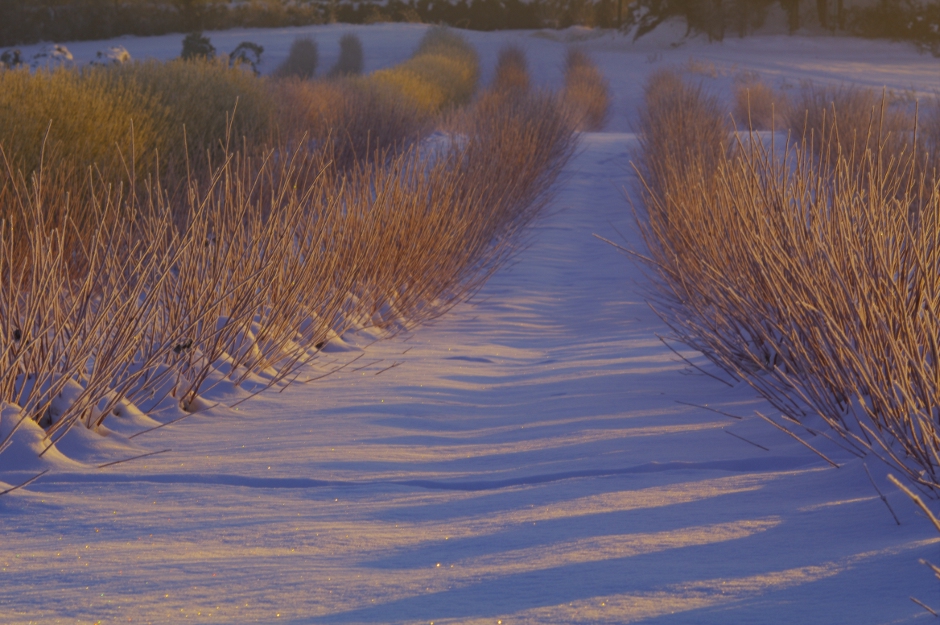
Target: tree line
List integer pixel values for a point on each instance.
(69, 20)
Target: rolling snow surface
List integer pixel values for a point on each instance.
(537, 455)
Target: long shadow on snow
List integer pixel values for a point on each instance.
(749, 465)
(640, 573)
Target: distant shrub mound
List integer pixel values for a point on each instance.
(302, 59)
(74, 120)
(586, 93)
(512, 70)
(758, 106)
(442, 73)
(349, 62)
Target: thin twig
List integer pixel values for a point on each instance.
(162, 425)
(799, 440)
(392, 366)
(711, 409)
(920, 502)
(26, 483)
(924, 606)
(743, 439)
(933, 567)
(693, 365)
(374, 362)
(880, 494)
(152, 453)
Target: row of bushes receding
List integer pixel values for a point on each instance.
(120, 285)
(810, 270)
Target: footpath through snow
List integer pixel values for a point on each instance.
(535, 456)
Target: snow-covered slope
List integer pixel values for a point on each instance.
(535, 456)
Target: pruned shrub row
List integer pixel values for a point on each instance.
(255, 265)
(810, 270)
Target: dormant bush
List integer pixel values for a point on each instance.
(849, 121)
(683, 132)
(812, 279)
(201, 104)
(349, 62)
(512, 70)
(78, 119)
(586, 93)
(442, 73)
(351, 118)
(302, 59)
(758, 106)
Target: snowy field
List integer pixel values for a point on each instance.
(535, 456)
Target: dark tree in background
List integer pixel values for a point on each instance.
(712, 17)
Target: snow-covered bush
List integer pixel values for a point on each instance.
(115, 55)
(51, 56)
(11, 59)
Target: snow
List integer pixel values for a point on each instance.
(537, 455)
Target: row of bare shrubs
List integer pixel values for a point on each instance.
(134, 294)
(844, 111)
(809, 268)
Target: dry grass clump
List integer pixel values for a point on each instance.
(586, 93)
(757, 105)
(302, 59)
(814, 280)
(349, 62)
(442, 73)
(512, 70)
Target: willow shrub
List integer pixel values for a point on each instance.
(442, 73)
(74, 119)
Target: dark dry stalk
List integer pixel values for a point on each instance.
(880, 494)
(146, 455)
(26, 483)
(925, 606)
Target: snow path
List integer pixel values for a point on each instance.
(528, 462)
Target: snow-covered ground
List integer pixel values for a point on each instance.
(535, 456)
